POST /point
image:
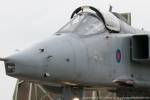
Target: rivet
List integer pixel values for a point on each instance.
(48, 57)
(41, 50)
(67, 59)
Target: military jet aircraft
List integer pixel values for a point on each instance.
(94, 49)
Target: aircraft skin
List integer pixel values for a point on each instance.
(83, 60)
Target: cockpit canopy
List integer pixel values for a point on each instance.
(84, 24)
(88, 23)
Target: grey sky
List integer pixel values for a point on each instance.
(24, 22)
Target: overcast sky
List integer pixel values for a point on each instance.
(24, 22)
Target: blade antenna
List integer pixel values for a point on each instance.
(110, 8)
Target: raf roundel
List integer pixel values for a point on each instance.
(118, 55)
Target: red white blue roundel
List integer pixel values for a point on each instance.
(118, 55)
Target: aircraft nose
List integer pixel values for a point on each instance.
(22, 64)
(49, 57)
(12, 63)
(56, 58)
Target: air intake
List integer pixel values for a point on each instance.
(140, 47)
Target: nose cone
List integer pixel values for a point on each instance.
(22, 64)
(52, 58)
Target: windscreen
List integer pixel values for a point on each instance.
(84, 24)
